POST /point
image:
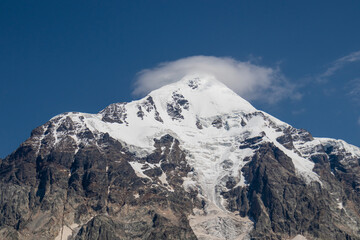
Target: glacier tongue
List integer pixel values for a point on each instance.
(215, 224)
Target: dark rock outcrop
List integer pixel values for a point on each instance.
(282, 204)
(95, 190)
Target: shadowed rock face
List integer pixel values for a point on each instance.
(282, 204)
(94, 193)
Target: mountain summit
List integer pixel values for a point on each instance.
(191, 160)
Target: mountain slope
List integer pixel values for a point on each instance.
(192, 160)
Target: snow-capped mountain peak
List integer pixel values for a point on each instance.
(211, 122)
(199, 139)
(205, 94)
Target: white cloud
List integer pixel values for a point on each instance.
(353, 88)
(358, 121)
(252, 82)
(339, 64)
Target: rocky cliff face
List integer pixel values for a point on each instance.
(191, 160)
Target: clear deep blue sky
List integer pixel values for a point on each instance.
(59, 56)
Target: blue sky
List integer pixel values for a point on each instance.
(60, 56)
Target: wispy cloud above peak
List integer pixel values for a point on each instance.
(339, 64)
(353, 90)
(252, 82)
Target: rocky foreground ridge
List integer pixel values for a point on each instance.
(191, 160)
